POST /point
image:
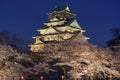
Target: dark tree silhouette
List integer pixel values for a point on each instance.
(4, 37)
(116, 37)
(116, 33)
(17, 42)
(14, 40)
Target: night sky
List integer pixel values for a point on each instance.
(24, 17)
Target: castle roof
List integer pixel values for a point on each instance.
(40, 35)
(71, 23)
(61, 8)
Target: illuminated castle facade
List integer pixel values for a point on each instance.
(62, 25)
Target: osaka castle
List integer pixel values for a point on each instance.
(61, 26)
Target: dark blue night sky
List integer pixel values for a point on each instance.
(24, 17)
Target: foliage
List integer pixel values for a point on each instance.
(14, 40)
(116, 37)
(4, 37)
(14, 64)
(84, 59)
(116, 33)
(76, 59)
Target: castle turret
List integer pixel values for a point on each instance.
(62, 25)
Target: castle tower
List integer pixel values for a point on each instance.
(62, 25)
